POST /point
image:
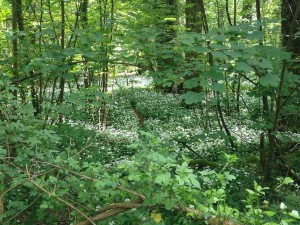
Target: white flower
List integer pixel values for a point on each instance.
(282, 206)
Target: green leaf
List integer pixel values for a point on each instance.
(170, 203)
(233, 54)
(220, 38)
(200, 49)
(191, 83)
(195, 183)
(68, 76)
(134, 177)
(288, 180)
(250, 191)
(229, 176)
(216, 74)
(255, 35)
(159, 197)
(218, 87)
(219, 55)
(2, 153)
(129, 40)
(52, 179)
(270, 213)
(157, 157)
(265, 64)
(192, 97)
(163, 178)
(44, 205)
(295, 214)
(269, 80)
(243, 67)
(89, 54)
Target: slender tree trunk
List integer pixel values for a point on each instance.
(288, 9)
(203, 15)
(234, 12)
(238, 95)
(218, 13)
(223, 123)
(15, 40)
(62, 46)
(227, 13)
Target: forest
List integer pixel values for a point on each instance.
(130, 112)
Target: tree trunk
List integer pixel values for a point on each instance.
(62, 46)
(193, 16)
(288, 9)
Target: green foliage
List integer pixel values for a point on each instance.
(231, 84)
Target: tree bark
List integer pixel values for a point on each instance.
(193, 16)
(288, 9)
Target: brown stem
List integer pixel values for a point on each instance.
(58, 198)
(224, 125)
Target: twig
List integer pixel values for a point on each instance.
(24, 209)
(131, 192)
(57, 198)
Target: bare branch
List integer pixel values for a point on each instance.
(58, 198)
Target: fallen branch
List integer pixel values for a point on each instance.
(113, 210)
(118, 208)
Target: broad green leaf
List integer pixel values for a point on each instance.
(192, 97)
(219, 55)
(295, 214)
(286, 221)
(159, 197)
(52, 179)
(243, 67)
(288, 180)
(129, 40)
(255, 35)
(163, 178)
(195, 182)
(218, 87)
(44, 205)
(158, 157)
(68, 51)
(89, 54)
(220, 38)
(191, 83)
(2, 153)
(200, 49)
(229, 176)
(216, 74)
(269, 80)
(134, 177)
(265, 63)
(233, 54)
(250, 191)
(170, 203)
(270, 213)
(68, 76)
